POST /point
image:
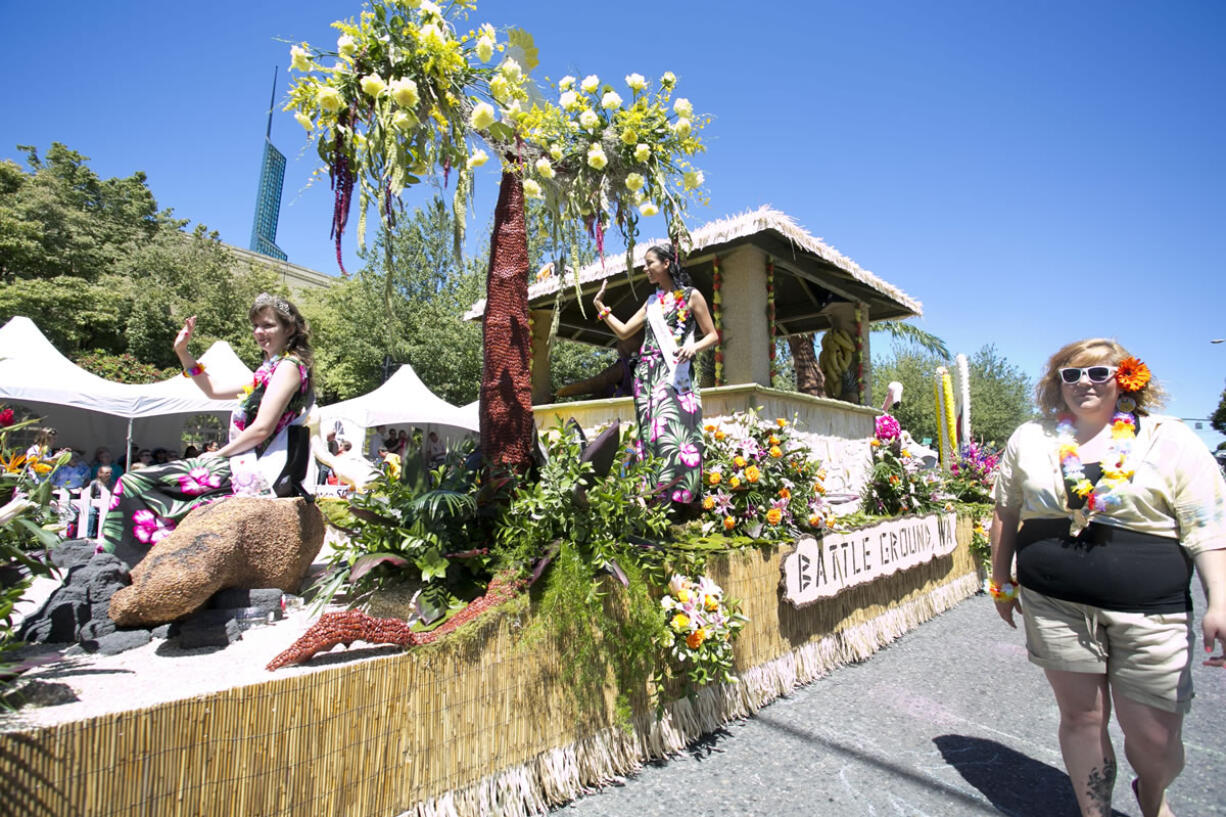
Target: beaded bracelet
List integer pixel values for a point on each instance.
(1002, 592)
(194, 370)
(603, 313)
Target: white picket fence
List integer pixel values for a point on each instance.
(69, 505)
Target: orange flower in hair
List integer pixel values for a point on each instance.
(1132, 374)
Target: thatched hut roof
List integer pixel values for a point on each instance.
(809, 276)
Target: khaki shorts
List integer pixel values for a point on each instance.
(1146, 657)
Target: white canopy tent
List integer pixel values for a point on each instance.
(89, 411)
(402, 401)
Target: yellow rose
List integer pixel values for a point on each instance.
(734, 482)
(634, 181)
(304, 120)
(683, 108)
(485, 49)
(478, 158)
(345, 45)
(682, 127)
(597, 160)
(568, 101)
(404, 91)
(636, 82)
(300, 59)
(680, 622)
(642, 152)
(629, 137)
(590, 83)
(693, 179)
(776, 452)
(752, 473)
(482, 116)
(555, 151)
(372, 85)
(329, 98)
(532, 189)
(544, 168)
(589, 120)
(403, 120)
(566, 82)
(668, 80)
(611, 101)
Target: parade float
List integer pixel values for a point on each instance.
(562, 629)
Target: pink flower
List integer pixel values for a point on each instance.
(690, 455)
(689, 402)
(887, 428)
(149, 528)
(116, 495)
(6, 417)
(682, 495)
(656, 428)
(198, 481)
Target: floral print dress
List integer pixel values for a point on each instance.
(147, 504)
(668, 408)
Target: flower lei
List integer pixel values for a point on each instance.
(1132, 376)
(681, 309)
(770, 314)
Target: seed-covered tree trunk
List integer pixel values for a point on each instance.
(506, 379)
(809, 377)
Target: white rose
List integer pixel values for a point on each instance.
(693, 179)
(682, 107)
(345, 45)
(682, 127)
(300, 59)
(544, 168)
(596, 158)
(329, 98)
(668, 80)
(304, 120)
(500, 89)
(590, 83)
(555, 151)
(432, 34)
(482, 116)
(404, 91)
(636, 82)
(648, 209)
(569, 100)
(634, 181)
(589, 120)
(642, 152)
(610, 101)
(532, 189)
(485, 49)
(565, 83)
(478, 158)
(511, 70)
(372, 84)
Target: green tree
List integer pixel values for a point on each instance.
(1000, 392)
(1218, 419)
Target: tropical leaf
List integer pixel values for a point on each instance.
(438, 505)
(369, 562)
(912, 334)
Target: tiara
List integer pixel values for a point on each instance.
(275, 302)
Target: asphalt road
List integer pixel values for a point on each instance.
(950, 720)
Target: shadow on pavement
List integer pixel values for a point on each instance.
(1015, 784)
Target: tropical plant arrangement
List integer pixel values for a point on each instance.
(899, 483)
(408, 92)
(761, 481)
(700, 626)
(973, 475)
(28, 528)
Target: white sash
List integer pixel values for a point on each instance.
(678, 372)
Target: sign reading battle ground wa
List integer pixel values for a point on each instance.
(817, 570)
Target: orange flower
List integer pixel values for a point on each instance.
(815, 521)
(710, 604)
(14, 463)
(774, 515)
(41, 467)
(894, 479)
(719, 435)
(774, 440)
(818, 488)
(776, 452)
(782, 423)
(874, 442)
(752, 473)
(714, 477)
(1132, 374)
(709, 427)
(785, 493)
(729, 523)
(708, 502)
(738, 461)
(830, 521)
(734, 482)
(694, 640)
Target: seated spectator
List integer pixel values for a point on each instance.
(144, 458)
(102, 456)
(39, 457)
(73, 474)
(436, 451)
(102, 485)
(212, 445)
(191, 452)
(161, 456)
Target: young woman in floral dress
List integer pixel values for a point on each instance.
(147, 504)
(666, 400)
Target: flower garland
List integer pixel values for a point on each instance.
(717, 299)
(859, 340)
(770, 312)
(951, 424)
(680, 307)
(700, 624)
(1132, 376)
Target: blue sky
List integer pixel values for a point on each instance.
(1032, 172)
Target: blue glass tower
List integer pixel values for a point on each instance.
(268, 196)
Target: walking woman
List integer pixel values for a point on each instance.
(147, 504)
(666, 400)
(1115, 506)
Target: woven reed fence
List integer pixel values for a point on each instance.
(475, 725)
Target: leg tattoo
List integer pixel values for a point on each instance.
(1099, 783)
